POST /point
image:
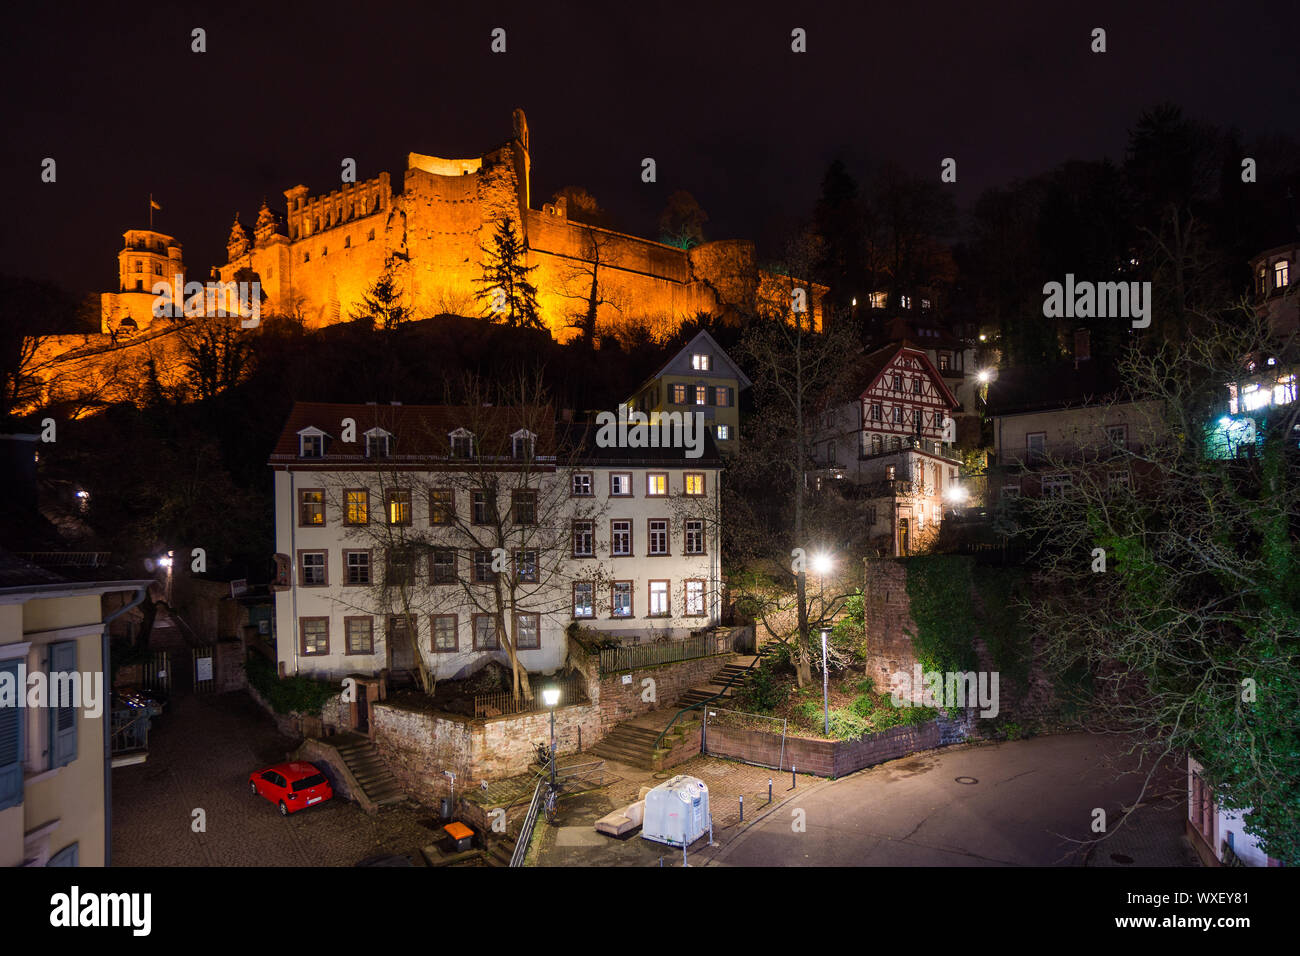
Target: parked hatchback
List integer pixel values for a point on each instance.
(291, 786)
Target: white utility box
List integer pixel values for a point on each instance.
(677, 811)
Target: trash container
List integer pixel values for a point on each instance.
(462, 837)
(677, 811)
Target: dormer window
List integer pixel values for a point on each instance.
(378, 443)
(462, 444)
(311, 443)
(522, 445)
(701, 361)
(1281, 274)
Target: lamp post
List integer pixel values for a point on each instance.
(826, 699)
(551, 697)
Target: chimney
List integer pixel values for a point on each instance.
(1082, 346)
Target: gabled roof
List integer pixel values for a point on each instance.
(701, 337)
(873, 365)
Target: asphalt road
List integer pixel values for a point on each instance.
(1018, 803)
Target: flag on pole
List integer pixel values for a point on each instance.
(154, 205)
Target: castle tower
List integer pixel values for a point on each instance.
(147, 258)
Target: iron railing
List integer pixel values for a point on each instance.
(708, 700)
(526, 831)
(130, 731)
(66, 559)
(630, 657)
(573, 690)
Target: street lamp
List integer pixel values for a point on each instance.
(551, 697)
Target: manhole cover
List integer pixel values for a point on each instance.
(966, 780)
(1121, 858)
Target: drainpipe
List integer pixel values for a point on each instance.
(136, 601)
(293, 573)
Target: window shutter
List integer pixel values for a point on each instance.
(68, 856)
(11, 742)
(63, 720)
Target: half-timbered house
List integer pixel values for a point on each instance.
(893, 442)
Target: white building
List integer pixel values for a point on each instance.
(1218, 834)
(385, 507)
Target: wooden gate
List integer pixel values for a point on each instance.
(205, 669)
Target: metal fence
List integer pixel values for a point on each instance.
(633, 656)
(130, 731)
(526, 831)
(573, 690)
(775, 727)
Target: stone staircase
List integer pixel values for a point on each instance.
(371, 774)
(632, 742)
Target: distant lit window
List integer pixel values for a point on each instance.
(694, 484)
(724, 432)
(679, 394)
(656, 484)
(694, 598)
(399, 507)
(701, 395)
(659, 605)
(701, 362)
(1284, 392)
(1281, 274)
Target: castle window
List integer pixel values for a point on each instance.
(347, 242)
(370, 235)
(139, 266)
(157, 268)
(324, 250)
(306, 257)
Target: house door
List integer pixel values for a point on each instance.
(902, 537)
(401, 651)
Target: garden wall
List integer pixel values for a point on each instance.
(833, 758)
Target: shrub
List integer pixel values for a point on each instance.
(846, 725)
(289, 695)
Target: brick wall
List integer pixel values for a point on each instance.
(619, 701)
(889, 623)
(824, 758)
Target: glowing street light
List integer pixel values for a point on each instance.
(551, 697)
(984, 376)
(821, 564)
(956, 494)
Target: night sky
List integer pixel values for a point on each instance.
(711, 91)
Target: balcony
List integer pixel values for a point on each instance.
(915, 443)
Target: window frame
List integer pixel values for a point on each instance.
(686, 484)
(518, 496)
(434, 579)
(686, 537)
(347, 635)
(650, 481)
(590, 532)
(389, 497)
(518, 631)
(347, 507)
(591, 485)
(625, 475)
(496, 637)
(591, 606)
(667, 551)
(370, 568)
(433, 634)
(447, 508)
(631, 600)
(302, 635)
(668, 597)
(686, 591)
(302, 567)
(631, 542)
(302, 505)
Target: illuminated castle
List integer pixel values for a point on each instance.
(320, 260)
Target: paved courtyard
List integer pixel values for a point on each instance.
(201, 752)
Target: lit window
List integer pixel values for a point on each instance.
(656, 485)
(399, 507)
(621, 599)
(584, 599)
(356, 506)
(694, 598)
(1284, 392)
(722, 396)
(724, 433)
(659, 599)
(526, 567)
(620, 485)
(701, 395)
(315, 636)
(311, 510)
(701, 362)
(694, 484)
(679, 394)
(1281, 274)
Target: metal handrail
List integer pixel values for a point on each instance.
(708, 700)
(526, 831)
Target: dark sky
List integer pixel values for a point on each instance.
(710, 90)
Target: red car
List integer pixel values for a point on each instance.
(291, 786)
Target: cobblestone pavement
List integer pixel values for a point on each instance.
(201, 752)
(1153, 835)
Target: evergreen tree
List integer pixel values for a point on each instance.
(382, 304)
(507, 294)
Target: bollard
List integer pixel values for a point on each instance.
(661, 861)
(742, 808)
(793, 782)
(684, 863)
(769, 789)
